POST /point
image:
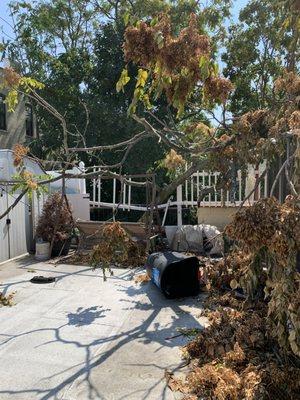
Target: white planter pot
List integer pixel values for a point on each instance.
(42, 251)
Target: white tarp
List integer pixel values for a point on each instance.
(198, 238)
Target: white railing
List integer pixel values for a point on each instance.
(187, 194)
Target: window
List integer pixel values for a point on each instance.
(29, 120)
(2, 113)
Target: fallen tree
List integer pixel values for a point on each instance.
(181, 68)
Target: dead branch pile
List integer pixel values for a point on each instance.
(116, 248)
(250, 349)
(235, 358)
(220, 274)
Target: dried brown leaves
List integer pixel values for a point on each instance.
(7, 300)
(142, 279)
(268, 224)
(177, 62)
(19, 152)
(233, 359)
(270, 234)
(173, 160)
(10, 77)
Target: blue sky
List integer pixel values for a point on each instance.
(238, 4)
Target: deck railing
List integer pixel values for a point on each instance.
(187, 194)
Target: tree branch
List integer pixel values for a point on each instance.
(13, 205)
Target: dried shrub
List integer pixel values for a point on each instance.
(255, 226)
(55, 221)
(116, 248)
(221, 273)
(227, 327)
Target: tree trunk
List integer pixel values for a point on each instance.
(165, 193)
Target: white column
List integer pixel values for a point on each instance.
(99, 190)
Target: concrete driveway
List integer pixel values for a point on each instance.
(81, 338)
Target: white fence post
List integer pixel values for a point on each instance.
(94, 187)
(179, 205)
(250, 183)
(114, 193)
(124, 195)
(82, 183)
(129, 195)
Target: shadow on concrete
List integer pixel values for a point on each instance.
(86, 316)
(153, 302)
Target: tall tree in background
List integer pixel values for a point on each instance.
(74, 47)
(259, 49)
(259, 46)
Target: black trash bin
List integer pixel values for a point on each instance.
(175, 274)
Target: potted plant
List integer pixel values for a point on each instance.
(56, 223)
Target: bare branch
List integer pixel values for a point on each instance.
(135, 139)
(255, 187)
(13, 205)
(278, 175)
(291, 185)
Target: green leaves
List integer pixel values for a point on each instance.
(126, 18)
(15, 84)
(204, 66)
(27, 181)
(12, 100)
(30, 84)
(139, 94)
(124, 79)
(154, 21)
(142, 78)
